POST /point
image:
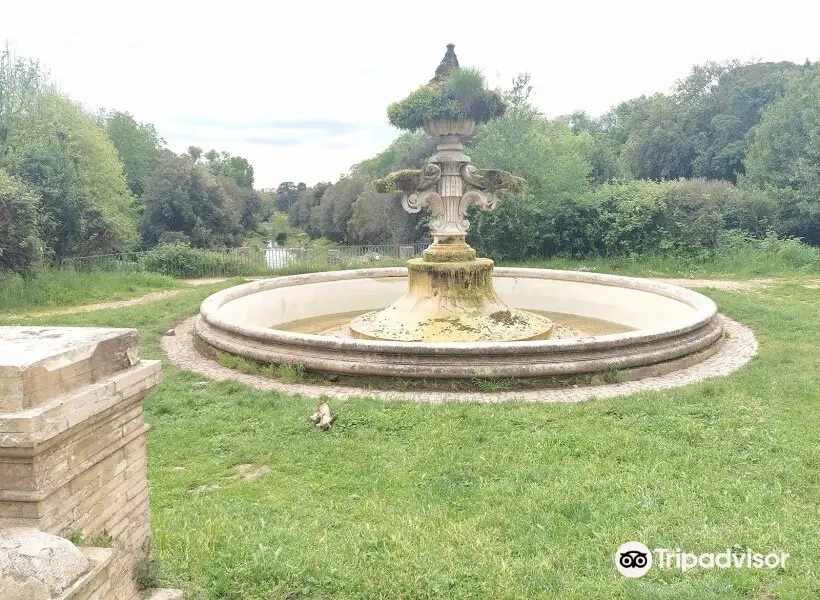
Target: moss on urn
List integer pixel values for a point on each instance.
(454, 94)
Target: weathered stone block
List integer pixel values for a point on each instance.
(37, 566)
(72, 444)
(39, 363)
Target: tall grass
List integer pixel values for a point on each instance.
(736, 258)
(53, 289)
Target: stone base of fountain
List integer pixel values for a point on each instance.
(662, 325)
(450, 302)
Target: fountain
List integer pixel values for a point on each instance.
(450, 295)
(450, 315)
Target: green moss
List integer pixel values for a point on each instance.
(470, 282)
(462, 95)
(449, 256)
(494, 180)
(405, 180)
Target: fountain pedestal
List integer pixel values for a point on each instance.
(450, 295)
(450, 302)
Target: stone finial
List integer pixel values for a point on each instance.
(447, 64)
(35, 565)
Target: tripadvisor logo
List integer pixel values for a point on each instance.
(634, 559)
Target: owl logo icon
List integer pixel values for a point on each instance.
(633, 559)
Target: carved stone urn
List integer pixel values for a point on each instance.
(450, 294)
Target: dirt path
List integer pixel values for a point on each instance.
(208, 281)
(84, 308)
(722, 284)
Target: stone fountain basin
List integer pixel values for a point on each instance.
(672, 327)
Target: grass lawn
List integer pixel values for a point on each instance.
(404, 500)
(57, 289)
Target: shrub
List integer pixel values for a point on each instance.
(180, 260)
(684, 218)
(678, 217)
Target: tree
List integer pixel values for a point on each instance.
(194, 153)
(335, 208)
(20, 242)
(138, 144)
(287, 197)
(653, 138)
(235, 167)
(408, 151)
(550, 158)
(700, 130)
(184, 197)
(21, 82)
(728, 108)
(784, 155)
(600, 150)
(380, 219)
(61, 152)
(300, 213)
(245, 202)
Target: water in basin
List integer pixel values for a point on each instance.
(567, 325)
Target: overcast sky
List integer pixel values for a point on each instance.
(300, 87)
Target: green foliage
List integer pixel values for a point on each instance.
(680, 217)
(289, 373)
(60, 152)
(232, 167)
(728, 100)
(736, 256)
(785, 153)
(244, 202)
(184, 197)
(700, 130)
(541, 217)
(301, 211)
(461, 95)
(329, 218)
(180, 260)
(279, 229)
(409, 151)
(139, 147)
(22, 80)
(623, 218)
(147, 572)
(20, 243)
(75, 536)
(287, 194)
(379, 219)
(88, 173)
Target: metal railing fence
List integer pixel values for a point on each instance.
(183, 261)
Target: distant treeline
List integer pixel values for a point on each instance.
(732, 149)
(74, 183)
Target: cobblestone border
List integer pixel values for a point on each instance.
(737, 349)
